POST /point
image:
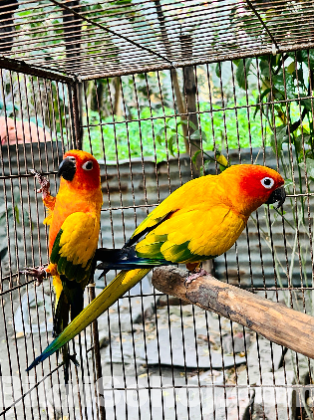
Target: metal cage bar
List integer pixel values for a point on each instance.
(150, 356)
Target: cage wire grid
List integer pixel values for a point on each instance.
(52, 91)
(147, 35)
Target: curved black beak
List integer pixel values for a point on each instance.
(67, 168)
(277, 196)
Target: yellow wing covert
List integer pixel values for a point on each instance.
(184, 239)
(75, 246)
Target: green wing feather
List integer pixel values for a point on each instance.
(65, 267)
(192, 235)
(74, 247)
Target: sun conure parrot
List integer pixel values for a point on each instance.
(74, 220)
(200, 220)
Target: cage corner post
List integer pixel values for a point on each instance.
(76, 114)
(75, 91)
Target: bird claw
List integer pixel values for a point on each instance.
(43, 182)
(194, 276)
(73, 359)
(39, 273)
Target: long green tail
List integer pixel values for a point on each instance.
(61, 320)
(124, 281)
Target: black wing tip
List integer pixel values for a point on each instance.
(73, 359)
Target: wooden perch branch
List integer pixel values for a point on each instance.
(274, 321)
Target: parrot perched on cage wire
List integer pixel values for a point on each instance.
(199, 221)
(74, 221)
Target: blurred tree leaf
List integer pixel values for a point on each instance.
(240, 74)
(281, 138)
(264, 93)
(194, 157)
(217, 70)
(309, 167)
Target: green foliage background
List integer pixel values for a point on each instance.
(157, 129)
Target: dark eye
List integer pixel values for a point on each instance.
(88, 166)
(267, 182)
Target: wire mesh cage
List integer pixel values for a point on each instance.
(159, 92)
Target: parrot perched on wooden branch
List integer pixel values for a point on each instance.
(74, 220)
(200, 220)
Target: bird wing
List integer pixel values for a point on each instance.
(192, 235)
(194, 194)
(75, 245)
(154, 218)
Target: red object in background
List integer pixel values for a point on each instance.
(11, 132)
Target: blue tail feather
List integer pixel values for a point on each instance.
(134, 263)
(46, 353)
(125, 259)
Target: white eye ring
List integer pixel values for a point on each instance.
(88, 166)
(267, 182)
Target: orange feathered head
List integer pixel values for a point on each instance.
(250, 186)
(80, 170)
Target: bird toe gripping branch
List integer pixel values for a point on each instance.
(43, 182)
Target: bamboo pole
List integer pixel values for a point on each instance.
(274, 321)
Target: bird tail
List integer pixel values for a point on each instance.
(61, 317)
(125, 259)
(61, 320)
(66, 297)
(124, 281)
